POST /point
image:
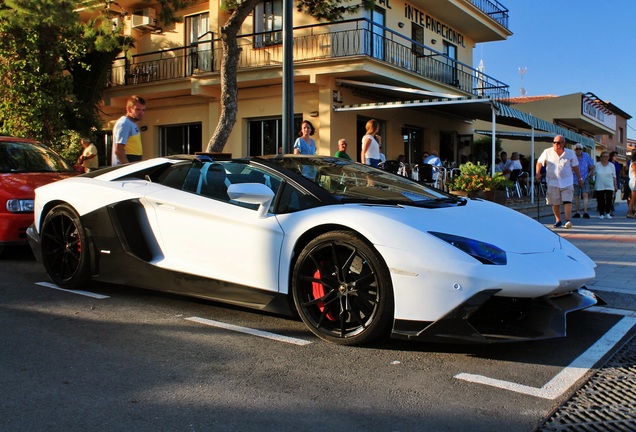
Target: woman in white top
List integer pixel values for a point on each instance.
(370, 153)
(304, 143)
(632, 186)
(605, 185)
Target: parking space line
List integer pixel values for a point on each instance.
(80, 292)
(570, 374)
(250, 331)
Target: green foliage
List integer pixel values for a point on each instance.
(53, 68)
(331, 10)
(168, 9)
(474, 177)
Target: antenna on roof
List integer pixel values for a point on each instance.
(522, 73)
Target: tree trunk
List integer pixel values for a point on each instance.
(229, 76)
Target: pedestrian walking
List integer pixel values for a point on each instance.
(560, 164)
(605, 185)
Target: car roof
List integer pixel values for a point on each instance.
(10, 138)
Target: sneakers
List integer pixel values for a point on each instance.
(586, 216)
(568, 225)
(559, 224)
(576, 215)
(631, 215)
(602, 217)
(609, 216)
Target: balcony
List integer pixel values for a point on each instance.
(494, 10)
(322, 42)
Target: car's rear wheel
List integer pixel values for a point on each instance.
(342, 289)
(64, 248)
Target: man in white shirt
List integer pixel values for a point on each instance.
(433, 159)
(504, 165)
(560, 164)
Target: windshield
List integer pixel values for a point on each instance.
(354, 182)
(25, 157)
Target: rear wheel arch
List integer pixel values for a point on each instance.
(66, 250)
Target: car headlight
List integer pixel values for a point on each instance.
(483, 252)
(20, 205)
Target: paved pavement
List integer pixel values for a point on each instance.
(606, 401)
(612, 245)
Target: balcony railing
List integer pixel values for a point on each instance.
(345, 39)
(493, 9)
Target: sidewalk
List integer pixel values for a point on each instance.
(606, 401)
(610, 243)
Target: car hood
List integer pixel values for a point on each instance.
(22, 185)
(479, 220)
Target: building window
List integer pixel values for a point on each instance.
(377, 33)
(180, 139)
(268, 23)
(198, 40)
(417, 34)
(450, 74)
(265, 136)
(413, 138)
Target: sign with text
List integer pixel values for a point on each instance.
(597, 112)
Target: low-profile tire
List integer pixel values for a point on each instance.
(64, 248)
(342, 289)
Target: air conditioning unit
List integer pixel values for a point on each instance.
(144, 18)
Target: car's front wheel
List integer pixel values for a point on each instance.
(342, 289)
(64, 247)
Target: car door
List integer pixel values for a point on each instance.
(201, 232)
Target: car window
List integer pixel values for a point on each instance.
(212, 178)
(348, 182)
(292, 200)
(17, 157)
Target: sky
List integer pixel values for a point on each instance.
(568, 46)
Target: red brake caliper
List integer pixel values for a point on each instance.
(318, 291)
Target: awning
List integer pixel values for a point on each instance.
(519, 136)
(467, 108)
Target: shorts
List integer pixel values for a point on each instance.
(373, 162)
(632, 183)
(578, 190)
(558, 196)
(133, 158)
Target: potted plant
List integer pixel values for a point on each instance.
(474, 181)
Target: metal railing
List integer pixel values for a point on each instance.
(345, 39)
(493, 9)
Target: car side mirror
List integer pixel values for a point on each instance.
(252, 193)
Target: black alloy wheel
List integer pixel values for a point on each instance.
(342, 289)
(64, 248)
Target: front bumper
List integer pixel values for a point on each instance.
(485, 318)
(13, 227)
(34, 242)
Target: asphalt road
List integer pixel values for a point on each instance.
(135, 361)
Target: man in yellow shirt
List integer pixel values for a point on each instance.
(126, 136)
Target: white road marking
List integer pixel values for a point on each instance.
(250, 331)
(80, 292)
(570, 374)
(611, 311)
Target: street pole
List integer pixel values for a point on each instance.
(288, 77)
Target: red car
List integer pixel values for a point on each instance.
(24, 166)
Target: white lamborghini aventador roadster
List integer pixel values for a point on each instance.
(355, 251)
